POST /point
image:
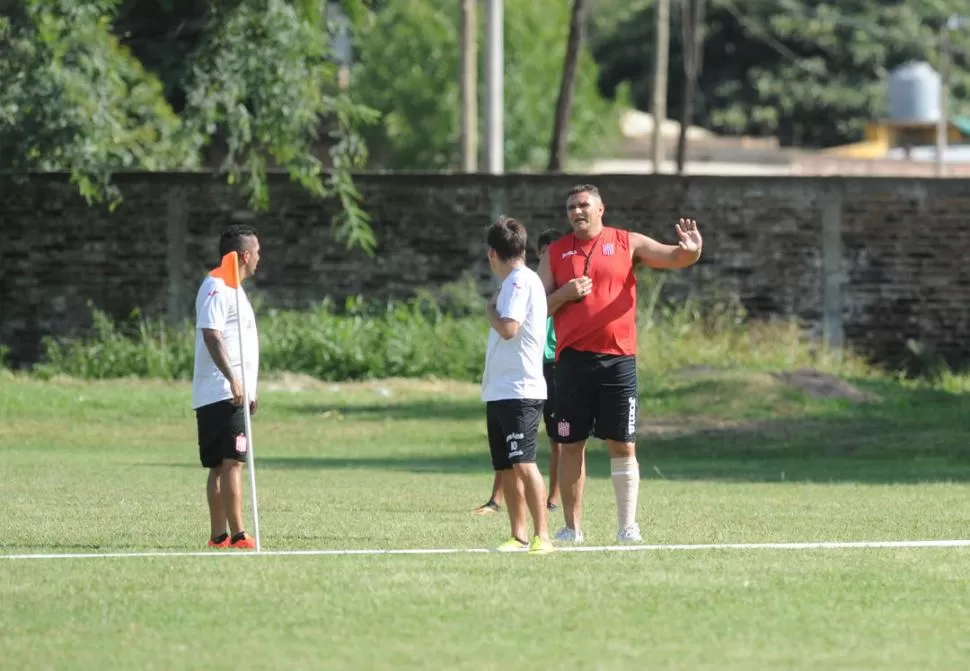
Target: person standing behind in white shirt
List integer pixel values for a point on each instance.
(217, 391)
(513, 386)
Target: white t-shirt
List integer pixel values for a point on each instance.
(215, 308)
(513, 368)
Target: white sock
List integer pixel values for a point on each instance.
(626, 487)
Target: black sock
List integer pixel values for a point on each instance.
(238, 537)
(220, 538)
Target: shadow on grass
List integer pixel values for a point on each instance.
(443, 409)
(444, 464)
(24, 548)
(910, 435)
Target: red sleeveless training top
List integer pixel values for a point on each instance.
(605, 320)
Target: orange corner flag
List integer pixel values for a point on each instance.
(228, 270)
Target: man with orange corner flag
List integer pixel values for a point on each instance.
(224, 386)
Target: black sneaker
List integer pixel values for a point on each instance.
(489, 508)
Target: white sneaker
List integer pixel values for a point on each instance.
(630, 534)
(567, 535)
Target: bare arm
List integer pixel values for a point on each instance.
(507, 328)
(658, 255)
(557, 297)
(217, 350)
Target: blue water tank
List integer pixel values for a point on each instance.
(914, 93)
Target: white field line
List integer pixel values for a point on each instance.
(816, 545)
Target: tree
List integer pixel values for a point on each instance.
(263, 76)
(811, 72)
(71, 98)
(577, 34)
(251, 76)
(408, 71)
(693, 29)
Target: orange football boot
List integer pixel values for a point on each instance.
(247, 542)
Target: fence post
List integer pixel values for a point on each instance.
(833, 272)
(176, 233)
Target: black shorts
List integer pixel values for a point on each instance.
(513, 426)
(596, 394)
(222, 433)
(549, 407)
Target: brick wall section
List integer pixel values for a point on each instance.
(903, 246)
(906, 244)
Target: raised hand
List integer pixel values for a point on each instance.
(690, 237)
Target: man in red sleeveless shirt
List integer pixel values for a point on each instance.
(589, 278)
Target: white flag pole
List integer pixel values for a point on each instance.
(250, 459)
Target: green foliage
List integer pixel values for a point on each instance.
(359, 341)
(259, 77)
(462, 298)
(811, 72)
(706, 326)
(253, 75)
(409, 72)
(441, 334)
(71, 98)
(406, 340)
(144, 348)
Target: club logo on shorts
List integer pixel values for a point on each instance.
(241, 444)
(563, 428)
(608, 249)
(631, 423)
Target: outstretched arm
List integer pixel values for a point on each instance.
(658, 255)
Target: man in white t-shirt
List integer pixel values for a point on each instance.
(217, 391)
(513, 386)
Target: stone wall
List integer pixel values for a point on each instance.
(873, 262)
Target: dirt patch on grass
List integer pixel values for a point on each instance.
(822, 385)
(699, 371)
(781, 428)
(785, 421)
(297, 382)
(292, 382)
(809, 380)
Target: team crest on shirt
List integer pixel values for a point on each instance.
(608, 249)
(567, 254)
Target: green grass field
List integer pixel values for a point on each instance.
(726, 456)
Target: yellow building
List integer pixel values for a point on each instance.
(885, 135)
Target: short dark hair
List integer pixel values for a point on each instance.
(508, 238)
(233, 239)
(547, 237)
(584, 188)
